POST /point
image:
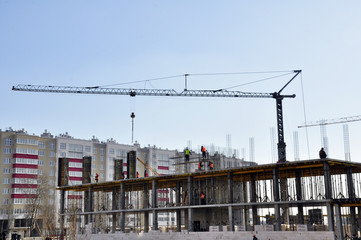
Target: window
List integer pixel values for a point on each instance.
(87, 148)
(62, 154)
(41, 153)
(102, 151)
(52, 154)
(26, 161)
(75, 155)
(41, 145)
(94, 167)
(26, 151)
(102, 158)
(6, 190)
(40, 172)
(7, 150)
(102, 176)
(6, 180)
(75, 164)
(25, 170)
(26, 141)
(5, 202)
(94, 151)
(52, 146)
(6, 160)
(63, 146)
(51, 173)
(111, 150)
(51, 182)
(6, 170)
(7, 142)
(41, 162)
(94, 158)
(75, 148)
(51, 163)
(101, 167)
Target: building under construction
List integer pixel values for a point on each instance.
(311, 195)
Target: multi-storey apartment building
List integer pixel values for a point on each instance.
(30, 166)
(27, 162)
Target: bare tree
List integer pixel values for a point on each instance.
(40, 210)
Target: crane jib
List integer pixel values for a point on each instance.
(144, 92)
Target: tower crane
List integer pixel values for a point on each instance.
(172, 93)
(323, 123)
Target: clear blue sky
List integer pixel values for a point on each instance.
(88, 43)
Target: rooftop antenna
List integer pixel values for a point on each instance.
(132, 116)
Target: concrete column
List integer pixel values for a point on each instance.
(351, 196)
(146, 205)
(114, 207)
(339, 230)
(300, 218)
(328, 195)
(155, 203)
(122, 206)
(278, 226)
(276, 197)
(230, 200)
(91, 204)
(190, 220)
(177, 201)
(230, 218)
(190, 191)
(62, 211)
(246, 211)
(253, 199)
(359, 215)
(230, 187)
(327, 180)
(190, 202)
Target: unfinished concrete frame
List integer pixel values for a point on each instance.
(279, 195)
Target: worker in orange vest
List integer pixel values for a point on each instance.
(145, 173)
(96, 177)
(210, 165)
(203, 198)
(200, 165)
(204, 151)
(138, 174)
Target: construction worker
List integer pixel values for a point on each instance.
(145, 173)
(186, 154)
(322, 154)
(200, 165)
(96, 177)
(138, 174)
(210, 165)
(203, 198)
(204, 151)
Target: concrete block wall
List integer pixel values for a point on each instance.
(214, 236)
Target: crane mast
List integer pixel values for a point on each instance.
(172, 93)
